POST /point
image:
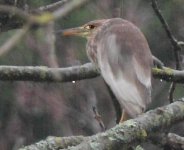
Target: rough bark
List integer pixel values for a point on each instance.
(45, 74)
(86, 71)
(122, 136)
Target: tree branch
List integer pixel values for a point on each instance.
(43, 17)
(52, 6)
(69, 74)
(176, 45)
(59, 13)
(98, 118)
(12, 10)
(45, 74)
(170, 35)
(175, 141)
(167, 140)
(168, 74)
(121, 136)
(14, 40)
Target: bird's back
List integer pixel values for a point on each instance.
(122, 53)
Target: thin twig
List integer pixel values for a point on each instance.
(171, 92)
(53, 5)
(61, 12)
(98, 118)
(45, 17)
(15, 11)
(164, 23)
(157, 62)
(176, 45)
(14, 40)
(41, 19)
(181, 43)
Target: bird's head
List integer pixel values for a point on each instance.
(85, 30)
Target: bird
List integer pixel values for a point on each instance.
(121, 52)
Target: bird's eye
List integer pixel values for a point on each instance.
(90, 27)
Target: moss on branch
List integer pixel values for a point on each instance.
(131, 132)
(86, 71)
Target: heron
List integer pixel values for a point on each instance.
(121, 52)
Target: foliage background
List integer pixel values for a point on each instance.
(32, 111)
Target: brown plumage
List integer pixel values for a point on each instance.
(121, 52)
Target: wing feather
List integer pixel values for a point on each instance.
(120, 68)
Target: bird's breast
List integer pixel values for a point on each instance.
(91, 49)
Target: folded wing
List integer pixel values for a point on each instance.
(125, 62)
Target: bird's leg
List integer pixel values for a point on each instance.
(124, 117)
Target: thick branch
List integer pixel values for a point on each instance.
(86, 71)
(175, 141)
(168, 74)
(55, 143)
(167, 140)
(45, 74)
(121, 136)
